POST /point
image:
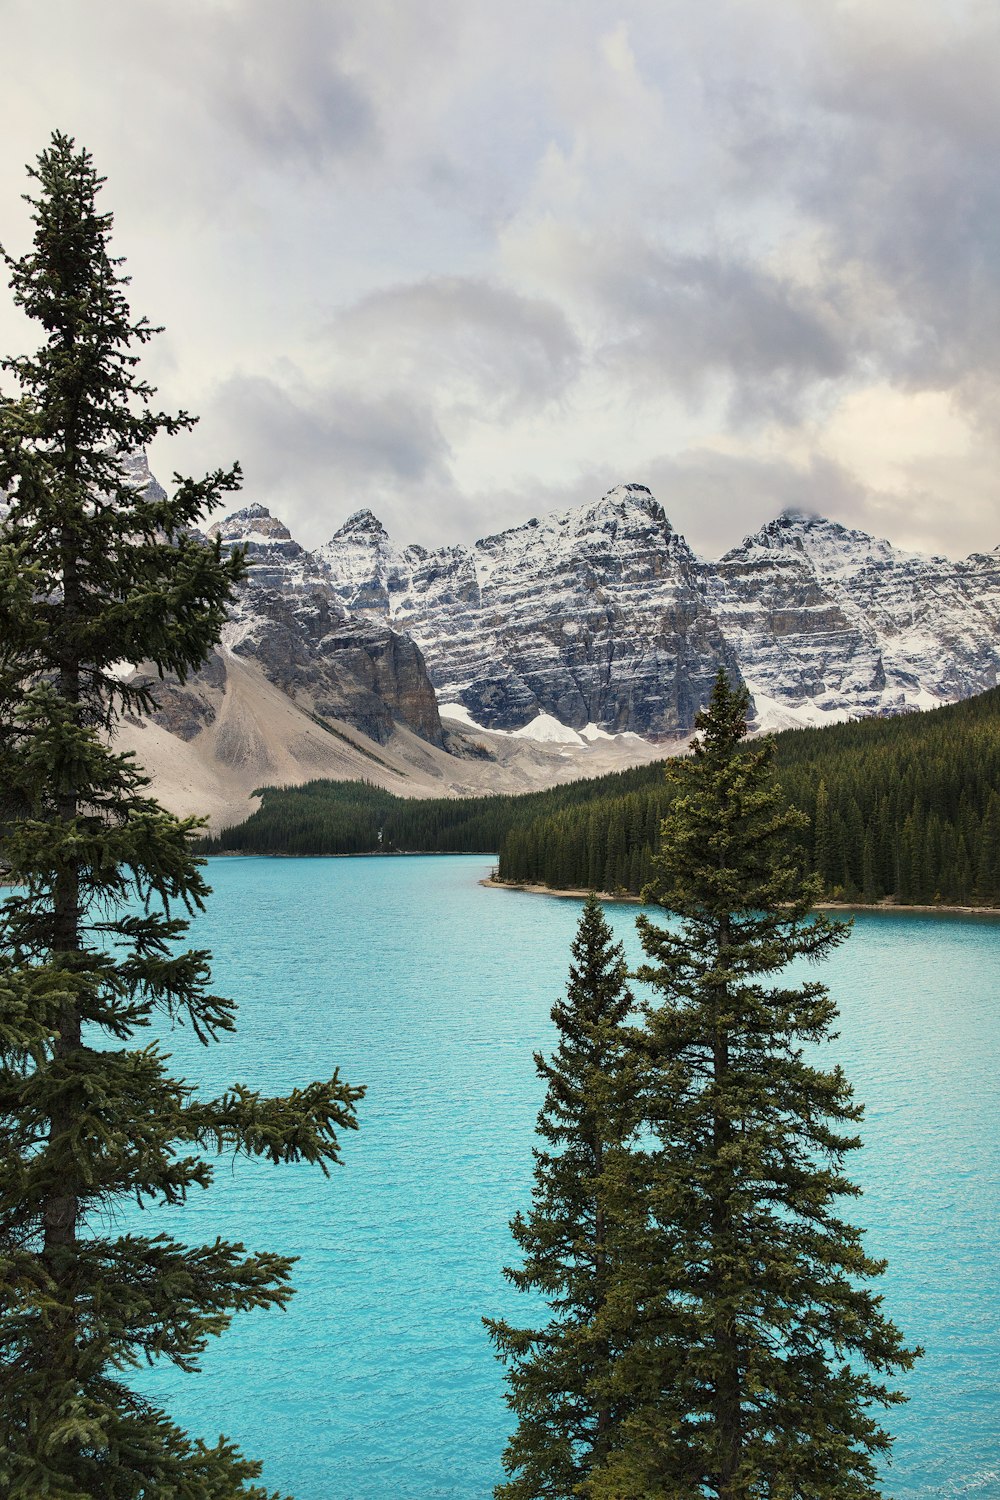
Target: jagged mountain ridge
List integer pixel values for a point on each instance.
(298, 688)
(597, 615)
(829, 617)
(289, 619)
(603, 614)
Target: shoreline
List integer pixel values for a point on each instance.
(356, 854)
(580, 893)
(889, 907)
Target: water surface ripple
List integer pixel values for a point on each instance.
(379, 1383)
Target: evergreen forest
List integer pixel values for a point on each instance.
(905, 809)
(355, 817)
(711, 1332)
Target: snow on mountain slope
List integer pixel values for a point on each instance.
(602, 615)
(219, 741)
(593, 615)
(288, 617)
(561, 647)
(299, 688)
(828, 618)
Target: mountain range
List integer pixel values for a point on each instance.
(604, 615)
(574, 644)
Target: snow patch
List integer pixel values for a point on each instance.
(593, 732)
(772, 715)
(461, 713)
(547, 730)
(122, 670)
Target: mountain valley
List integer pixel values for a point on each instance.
(576, 644)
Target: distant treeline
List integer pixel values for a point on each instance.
(905, 808)
(354, 817)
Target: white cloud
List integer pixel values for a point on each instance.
(461, 261)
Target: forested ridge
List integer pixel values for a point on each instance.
(905, 809)
(355, 817)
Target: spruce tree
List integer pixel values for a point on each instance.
(560, 1376)
(96, 569)
(760, 1355)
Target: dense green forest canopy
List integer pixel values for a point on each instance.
(354, 817)
(904, 809)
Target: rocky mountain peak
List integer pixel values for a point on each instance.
(627, 515)
(787, 530)
(626, 509)
(796, 518)
(528, 620)
(252, 523)
(622, 497)
(830, 548)
(136, 466)
(290, 621)
(362, 525)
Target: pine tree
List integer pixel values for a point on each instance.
(95, 570)
(756, 1363)
(560, 1377)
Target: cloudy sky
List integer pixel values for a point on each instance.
(464, 262)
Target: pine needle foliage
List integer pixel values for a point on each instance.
(762, 1359)
(560, 1376)
(96, 569)
(902, 810)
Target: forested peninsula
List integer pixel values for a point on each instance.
(904, 809)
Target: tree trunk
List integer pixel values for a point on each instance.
(62, 1207)
(600, 1264)
(727, 1386)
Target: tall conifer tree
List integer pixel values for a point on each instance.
(94, 570)
(760, 1357)
(561, 1377)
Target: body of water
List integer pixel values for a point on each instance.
(379, 1382)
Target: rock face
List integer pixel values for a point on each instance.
(827, 620)
(600, 616)
(290, 621)
(597, 616)
(604, 615)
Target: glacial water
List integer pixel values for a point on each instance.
(378, 1383)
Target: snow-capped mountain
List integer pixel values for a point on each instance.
(553, 647)
(597, 615)
(603, 615)
(829, 621)
(288, 621)
(299, 688)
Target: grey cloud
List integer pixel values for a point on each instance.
(716, 499)
(297, 444)
(886, 138)
(470, 342)
(280, 81)
(713, 499)
(220, 93)
(691, 318)
(271, 162)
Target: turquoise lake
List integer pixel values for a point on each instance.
(379, 1383)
